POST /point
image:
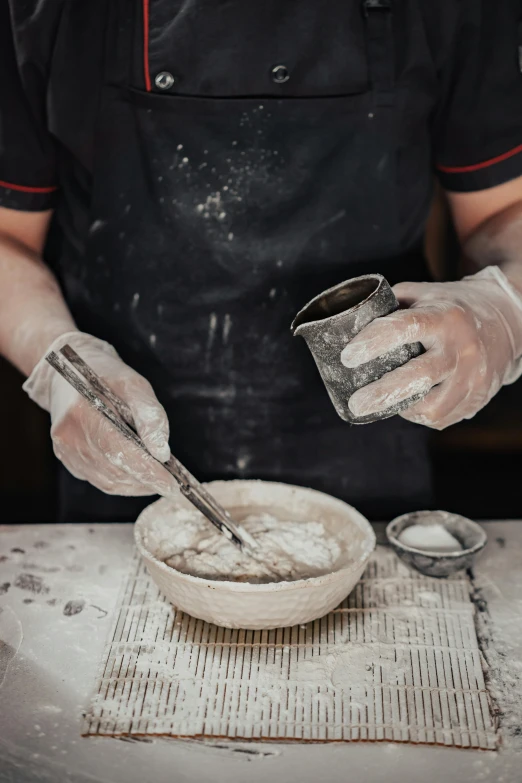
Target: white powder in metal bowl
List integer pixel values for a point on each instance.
(287, 550)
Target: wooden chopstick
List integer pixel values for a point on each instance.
(122, 419)
(98, 385)
(183, 475)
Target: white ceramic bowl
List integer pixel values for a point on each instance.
(276, 604)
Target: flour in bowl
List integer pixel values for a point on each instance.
(287, 550)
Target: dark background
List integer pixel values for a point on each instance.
(477, 464)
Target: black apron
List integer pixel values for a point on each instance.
(223, 199)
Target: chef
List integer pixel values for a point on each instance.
(179, 177)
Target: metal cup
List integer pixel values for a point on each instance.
(328, 323)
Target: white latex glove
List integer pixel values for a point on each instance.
(472, 333)
(87, 444)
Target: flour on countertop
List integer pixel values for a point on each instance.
(430, 538)
(186, 541)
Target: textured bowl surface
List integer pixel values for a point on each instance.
(470, 535)
(276, 604)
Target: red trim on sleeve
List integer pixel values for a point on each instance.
(483, 165)
(146, 69)
(25, 189)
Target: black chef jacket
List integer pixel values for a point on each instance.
(96, 98)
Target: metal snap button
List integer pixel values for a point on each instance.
(164, 80)
(280, 74)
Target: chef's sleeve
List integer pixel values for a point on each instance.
(28, 178)
(478, 122)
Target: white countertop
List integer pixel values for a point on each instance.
(58, 588)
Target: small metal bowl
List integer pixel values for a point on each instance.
(470, 535)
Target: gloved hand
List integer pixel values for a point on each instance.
(88, 445)
(472, 333)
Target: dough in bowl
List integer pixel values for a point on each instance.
(287, 550)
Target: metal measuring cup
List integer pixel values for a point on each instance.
(328, 323)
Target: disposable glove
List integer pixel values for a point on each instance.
(89, 446)
(472, 332)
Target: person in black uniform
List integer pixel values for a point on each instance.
(196, 171)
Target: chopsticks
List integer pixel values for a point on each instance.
(95, 391)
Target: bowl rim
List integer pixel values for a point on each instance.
(436, 555)
(265, 587)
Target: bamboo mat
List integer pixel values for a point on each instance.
(398, 660)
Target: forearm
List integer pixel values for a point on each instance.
(498, 240)
(32, 309)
